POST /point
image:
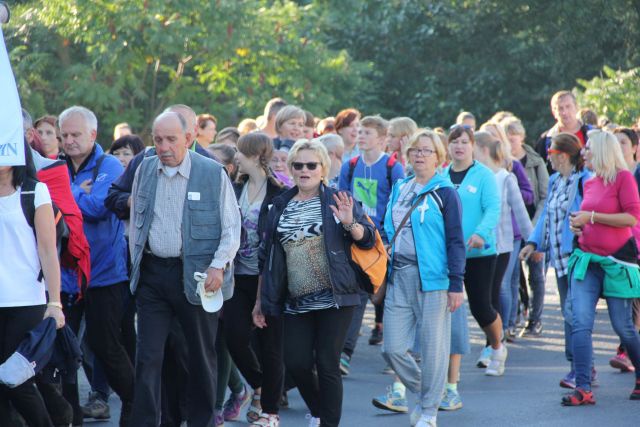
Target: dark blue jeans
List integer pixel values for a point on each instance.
(563, 290)
(583, 297)
(536, 283)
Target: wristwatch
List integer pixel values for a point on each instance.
(350, 226)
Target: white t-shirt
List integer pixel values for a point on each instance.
(19, 260)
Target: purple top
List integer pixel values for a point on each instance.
(525, 190)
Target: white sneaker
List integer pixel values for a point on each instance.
(313, 421)
(426, 421)
(496, 365)
(485, 357)
(267, 420)
(415, 415)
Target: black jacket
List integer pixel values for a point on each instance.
(345, 287)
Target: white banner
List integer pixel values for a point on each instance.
(11, 130)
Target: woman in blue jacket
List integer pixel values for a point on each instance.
(551, 233)
(427, 267)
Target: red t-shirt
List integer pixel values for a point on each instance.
(581, 137)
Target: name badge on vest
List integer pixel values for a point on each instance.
(193, 195)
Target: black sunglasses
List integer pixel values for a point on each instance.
(310, 165)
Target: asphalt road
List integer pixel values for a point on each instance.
(527, 395)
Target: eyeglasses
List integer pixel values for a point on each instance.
(554, 151)
(310, 165)
(421, 152)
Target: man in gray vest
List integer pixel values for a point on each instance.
(184, 219)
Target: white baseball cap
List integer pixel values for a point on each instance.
(211, 301)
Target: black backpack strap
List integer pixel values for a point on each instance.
(27, 201)
(96, 168)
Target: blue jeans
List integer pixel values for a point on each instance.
(563, 288)
(583, 297)
(509, 288)
(536, 283)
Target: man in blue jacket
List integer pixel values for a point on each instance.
(92, 173)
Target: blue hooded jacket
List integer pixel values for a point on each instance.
(104, 231)
(437, 233)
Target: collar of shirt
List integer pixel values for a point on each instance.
(193, 146)
(184, 168)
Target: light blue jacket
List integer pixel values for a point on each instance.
(480, 199)
(540, 236)
(437, 234)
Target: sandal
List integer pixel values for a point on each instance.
(578, 397)
(254, 412)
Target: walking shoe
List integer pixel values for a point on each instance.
(426, 421)
(313, 421)
(345, 361)
(388, 370)
(621, 361)
(219, 419)
(235, 404)
(255, 410)
(96, 407)
(635, 394)
(594, 378)
(510, 334)
(284, 400)
(376, 336)
(569, 380)
(450, 401)
(415, 415)
(578, 397)
(394, 401)
(498, 359)
(533, 329)
(485, 357)
(267, 420)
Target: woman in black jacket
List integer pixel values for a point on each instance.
(255, 190)
(310, 228)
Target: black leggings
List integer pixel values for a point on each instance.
(479, 282)
(268, 370)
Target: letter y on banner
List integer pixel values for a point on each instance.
(11, 130)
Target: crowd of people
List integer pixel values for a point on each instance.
(210, 273)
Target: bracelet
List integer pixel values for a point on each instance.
(54, 304)
(350, 226)
(593, 213)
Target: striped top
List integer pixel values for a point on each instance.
(300, 232)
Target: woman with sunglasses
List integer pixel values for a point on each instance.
(307, 276)
(605, 261)
(552, 233)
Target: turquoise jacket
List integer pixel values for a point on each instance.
(480, 199)
(437, 234)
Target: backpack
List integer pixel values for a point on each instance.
(391, 162)
(370, 265)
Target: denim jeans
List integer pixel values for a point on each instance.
(565, 308)
(536, 284)
(583, 297)
(509, 288)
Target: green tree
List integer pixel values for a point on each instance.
(128, 60)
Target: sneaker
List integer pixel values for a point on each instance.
(96, 407)
(219, 419)
(376, 336)
(267, 420)
(485, 357)
(510, 334)
(496, 365)
(284, 400)
(621, 361)
(635, 394)
(426, 421)
(569, 380)
(388, 370)
(313, 421)
(345, 360)
(415, 415)
(235, 404)
(578, 397)
(533, 329)
(594, 378)
(255, 410)
(394, 401)
(450, 401)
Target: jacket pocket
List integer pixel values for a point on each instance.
(141, 205)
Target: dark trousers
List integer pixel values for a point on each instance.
(73, 312)
(175, 373)
(478, 282)
(266, 372)
(160, 297)
(354, 327)
(228, 374)
(15, 323)
(316, 338)
(104, 310)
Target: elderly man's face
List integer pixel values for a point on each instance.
(170, 140)
(77, 138)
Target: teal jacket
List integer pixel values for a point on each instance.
(621, 279)
(480, 199)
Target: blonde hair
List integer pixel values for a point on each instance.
(485, 139)
(247, 126)
(318, 149)
(505, 146)
(513, 126)
(441, 152)
(376, 122)
(606, 155)
(402, 126)
(287, 113)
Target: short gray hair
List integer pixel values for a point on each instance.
(89, 117)
(332, 140)
(165, 114)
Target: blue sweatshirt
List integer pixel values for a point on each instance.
(437, 234)
(480, 199)
(370, 186)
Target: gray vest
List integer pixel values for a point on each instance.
(201, 224)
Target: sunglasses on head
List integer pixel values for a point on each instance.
(554, 151)
(310, 165)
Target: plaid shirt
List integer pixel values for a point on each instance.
(558, 204)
